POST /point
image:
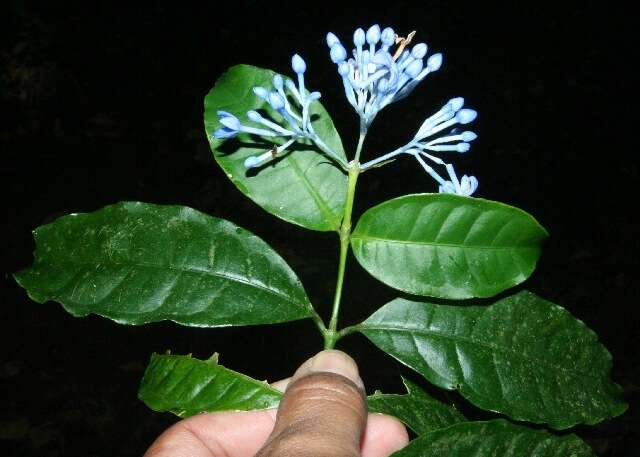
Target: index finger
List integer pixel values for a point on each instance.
(228, 434)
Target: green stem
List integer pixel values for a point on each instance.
(331, 335)
(347, 331)
(363, 133)
(318, 321)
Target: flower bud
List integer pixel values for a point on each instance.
(343, 69)
(373, 34)
(276, 101)
(463, 147)
(468, 185)
(455, 104)
(251, 162)
(254, 116)
(332, 39)
(464, 116)
(468, 136)
(262, 93)
(224, 133)
(388, 37)
(298, 64)
(358, 37)
(419, 51)
(338, 53)
(229, 120)
(277, 82)
(434, 62)
(414, 68)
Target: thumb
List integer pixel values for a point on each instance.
(323, 411)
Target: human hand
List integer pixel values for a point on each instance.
(322, 414)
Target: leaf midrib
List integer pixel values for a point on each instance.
(317, 198)
(478, 343)
(436, 244)
(259, 388)
(187, 270)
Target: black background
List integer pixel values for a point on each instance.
(101, 104)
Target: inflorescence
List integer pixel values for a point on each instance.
(374, 76)
(296, 124)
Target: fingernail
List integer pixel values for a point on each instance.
(333, 361)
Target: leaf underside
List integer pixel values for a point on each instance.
(185, 386)
(417, 410)
(447, 246)
(497, 438)
(136, 263)
(304, 187)
(522, 356)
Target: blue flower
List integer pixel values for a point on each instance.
(224, 133)
(423, 145)
(229, 120)
(288, 120)
(449, 115)
(232, 126)
(373, 75)
(298, 64)
(466, 186)
(374, 78)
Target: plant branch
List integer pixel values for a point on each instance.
(331, 334)
(347, 331)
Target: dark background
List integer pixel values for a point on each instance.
(101, 104)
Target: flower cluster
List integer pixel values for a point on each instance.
(451, 114)
(295, 121)
(373, 78)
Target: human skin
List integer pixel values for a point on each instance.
(322, 414)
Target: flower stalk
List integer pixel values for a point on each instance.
(331, 335)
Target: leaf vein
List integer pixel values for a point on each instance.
(524, 355)
(195, 271)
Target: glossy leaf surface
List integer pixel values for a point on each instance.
(522, 356)
(137, 263)
(185, 386)
(497, 438)
(417, 410)
(447, 246)
(303, 187)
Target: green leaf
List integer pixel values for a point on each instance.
(522, 356)
(304, 187)
(447, 246)
(417, 410)
(497, 438)
(185, 386)
(137, 263)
